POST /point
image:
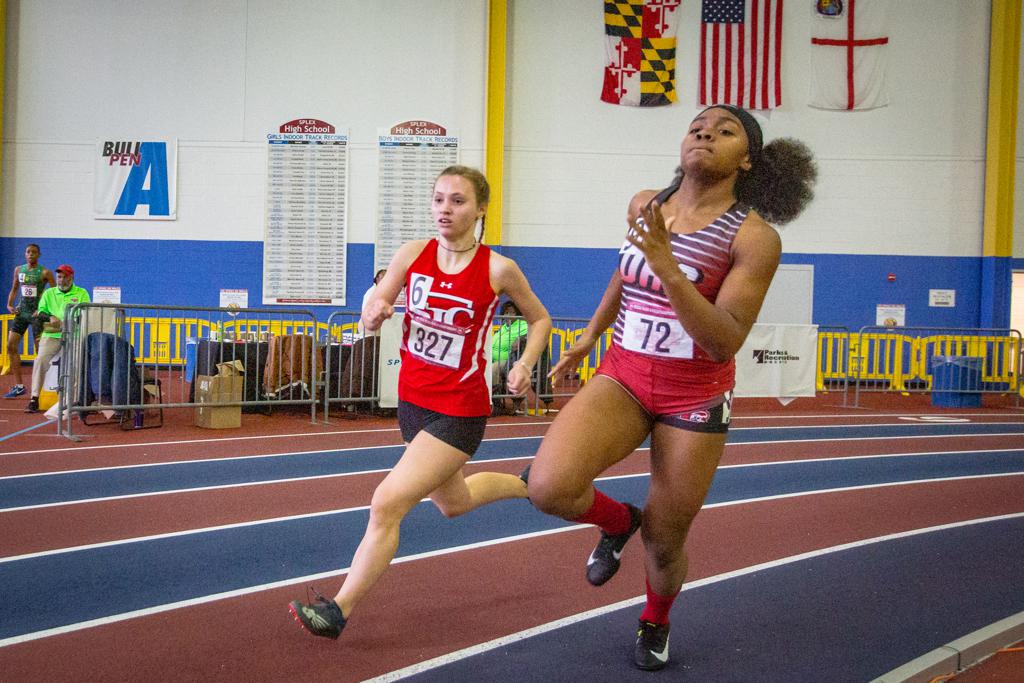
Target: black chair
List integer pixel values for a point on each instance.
(111, 376)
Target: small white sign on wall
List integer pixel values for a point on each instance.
(106, 295)
(234, 298)
(942, 298)
(890, 315)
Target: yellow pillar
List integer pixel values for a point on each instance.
(494, 144)
(1004, 55)
(1003, 89)
(3, 66)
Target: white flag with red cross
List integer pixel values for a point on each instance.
(849, 50)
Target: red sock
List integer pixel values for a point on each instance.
(658, 606)
(609, 514)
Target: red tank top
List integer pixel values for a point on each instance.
(443, 335)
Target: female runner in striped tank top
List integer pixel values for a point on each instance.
(452, 284)
(693, 272)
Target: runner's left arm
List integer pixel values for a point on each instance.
(508, 279)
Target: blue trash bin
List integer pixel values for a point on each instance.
(956, 381)
(191, 345)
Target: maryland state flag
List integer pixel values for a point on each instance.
(640, 45)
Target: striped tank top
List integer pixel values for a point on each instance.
(646, 323)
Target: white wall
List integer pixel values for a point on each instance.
(905, 179)
(219, 76)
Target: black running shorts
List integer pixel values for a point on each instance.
(714, 420)
(22, 321)
(463, 433)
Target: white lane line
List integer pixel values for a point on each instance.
(308, 515)
(198, 489)
(871, 438)
(235, 459)
(869, 456)
(151, 444)
(289, 454)
(259, 437)
(859, 416)
(220, 487)
(92, 623)
(269, 482)
(504, 641)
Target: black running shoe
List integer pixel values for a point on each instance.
(33, 405)
(321, 618)
(651, 652)
(604, 561)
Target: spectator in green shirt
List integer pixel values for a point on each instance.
(507, 345)
(51, 309)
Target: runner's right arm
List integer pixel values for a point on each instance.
(14, 292)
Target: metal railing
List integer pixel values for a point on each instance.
(351, 364)
(934, 359)
(162, 350)
(129, 360)
(353, 375)
(544, 391)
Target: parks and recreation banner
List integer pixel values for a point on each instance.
(136, 179)
(778, 361)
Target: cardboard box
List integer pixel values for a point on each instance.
(224, 387)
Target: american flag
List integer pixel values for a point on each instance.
(741, 43)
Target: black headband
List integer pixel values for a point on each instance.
(755, 139)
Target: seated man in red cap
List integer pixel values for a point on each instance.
(51, 310)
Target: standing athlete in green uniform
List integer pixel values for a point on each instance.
(30, 279)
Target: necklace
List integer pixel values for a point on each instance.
(457, 251)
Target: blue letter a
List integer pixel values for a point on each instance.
(153, 163)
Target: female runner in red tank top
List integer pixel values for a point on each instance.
(692, 276)
(452, 284)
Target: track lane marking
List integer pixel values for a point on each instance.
(292, 435)
(22, 431)
(340, 511)
(268, 482)
(503, 641)
(288, 454)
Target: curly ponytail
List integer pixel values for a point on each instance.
(780, 183)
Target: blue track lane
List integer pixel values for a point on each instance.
(852, 615)
(115, 579)
(60, 487)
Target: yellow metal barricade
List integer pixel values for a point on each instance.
(833, 356)
(878, 360)
(27, 351)
(904, 359)
(1000, 356)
